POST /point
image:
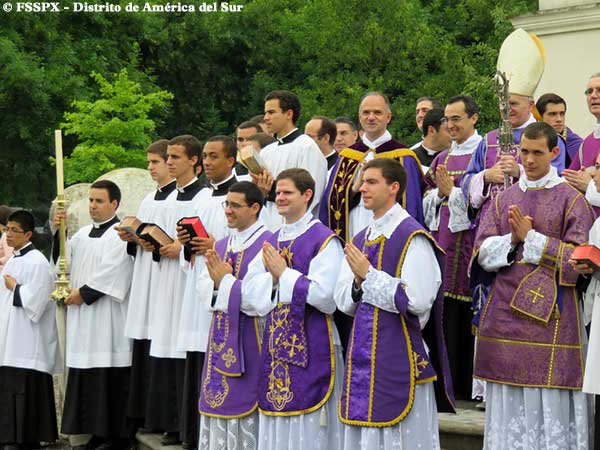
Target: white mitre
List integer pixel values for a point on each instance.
(522, 59)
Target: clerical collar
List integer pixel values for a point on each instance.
(290, 137)
(181, 189)
(238, 240)
(290, 231)
(429, 152)
(387, 223)
(548, 181)
(98, 228)
(164, 191)
(222, 188)
(529, 121)
(385, 137)
(23, 250)
(467, 147)
(597, 130)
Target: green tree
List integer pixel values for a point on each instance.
(114, 130)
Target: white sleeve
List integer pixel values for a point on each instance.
(431, 209)
(592, 195)
(257, 288)
(459, 217)
(493, 253)
(421, 287)
(533, 247)
(477, 190)
(321, 274)
(343, 290)
(316, 164)
(35, 293)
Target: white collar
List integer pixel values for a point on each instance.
(388, 223)
(239, 240)
(377, 142)
(160, 188)
(597, 130)
(281, 138)
(467, 147)
(429, 152)
(181, 189)
(529, 121)
(99, 224)
(293, 230)
(333, 152)
(18, 252)
(216, 186)
(548, 181)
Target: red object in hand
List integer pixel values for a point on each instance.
(588, 254)
(193, 226)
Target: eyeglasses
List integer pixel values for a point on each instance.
(453, 119)
(14, 230)
(232, 205)
(590, 91)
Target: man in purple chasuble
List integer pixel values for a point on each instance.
(292, 281)
(341, 208)
(229, 384)
(448, 219)
(397, 371)
(530, 346)
(577, 175)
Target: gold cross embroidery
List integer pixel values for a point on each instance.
(535, 294)
(219, 318)
(293, 346)
(229, 358)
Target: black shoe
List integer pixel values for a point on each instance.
(170, 438)
(106, 445)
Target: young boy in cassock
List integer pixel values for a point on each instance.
(98, 352)
(293, 279)
(397, 374)
(530, 346)
(29, 352)
(145, 273)
(229, 387)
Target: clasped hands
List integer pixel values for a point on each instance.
(520, 224)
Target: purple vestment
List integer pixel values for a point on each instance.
(386, 356)
(339, 199)
(588, 153)
(298, 362)
(233, 360)
(458, 246)
(529, 332)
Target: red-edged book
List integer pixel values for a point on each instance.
(588, 254)
(194, 227)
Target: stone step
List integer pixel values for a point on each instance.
(460, 431)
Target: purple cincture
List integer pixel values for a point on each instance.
(229, 386)
(386, 355)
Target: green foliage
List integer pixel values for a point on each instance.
(113, 130)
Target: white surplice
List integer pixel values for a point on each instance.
(28, 336)
(591, 379)
(96, 332)
(302, 153)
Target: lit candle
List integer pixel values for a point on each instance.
(60, 183)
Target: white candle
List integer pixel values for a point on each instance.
(60, 183)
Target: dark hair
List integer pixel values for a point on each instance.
(435, 103)
(159, 148)
(391, 170)
(5, 211)
(114, 193)
(301, 178)
(287, 100)
(259, 118)
(469, 103)
(229, 146)
(249, 124)
(347, 120)
(377, 94)
(433, 118)
(24, 219)
(192, 146)
(263, 139)
(539, 130)
(549, 98)
(327, 127)
(251, 191)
